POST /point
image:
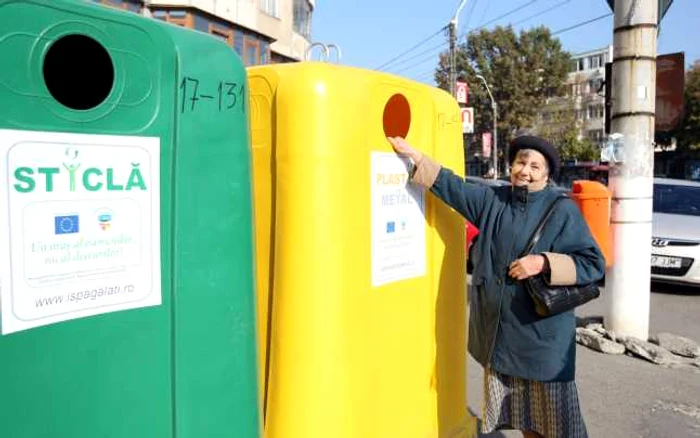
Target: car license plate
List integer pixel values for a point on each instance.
(666, 262)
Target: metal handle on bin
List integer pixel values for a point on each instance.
(337, 50)
(311, 47)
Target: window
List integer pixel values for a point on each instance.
(269, 7)
(113, 3)
(251, 55)
(585, 88)
(302, 18)
(596, 61)
(596, 112)
(595, 86)
(276, 58)
(175, 16)
(576, 89)
(129, 5)
(238, 43)
(222, 33)
(264, 53)
(596, 135)
(133, 7)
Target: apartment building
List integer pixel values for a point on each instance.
(585, 94)
(260, 31)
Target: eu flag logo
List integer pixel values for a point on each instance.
(390, 227)
(66, 224)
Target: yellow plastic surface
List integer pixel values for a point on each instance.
(339, 357)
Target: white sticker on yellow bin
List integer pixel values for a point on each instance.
(398, 221)
(80, 226)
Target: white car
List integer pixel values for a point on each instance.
(676, 232)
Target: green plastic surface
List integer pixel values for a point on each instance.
(186, 368)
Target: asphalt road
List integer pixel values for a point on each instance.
(625, 397)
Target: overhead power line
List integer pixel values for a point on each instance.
(444, 44)
(425, 75)
(583, 23)
(558, 5)
(430, 50)
(469, 14)
(513, 11)
(483, 13)
(425, 40)
(416, 64)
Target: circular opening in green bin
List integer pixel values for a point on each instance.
(397, 116)
(78, 72)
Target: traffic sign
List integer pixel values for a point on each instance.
(467, 120)
(663, 7)
(461, 92)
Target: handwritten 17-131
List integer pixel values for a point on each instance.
(227, 96)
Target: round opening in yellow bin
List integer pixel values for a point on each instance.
(397, 116)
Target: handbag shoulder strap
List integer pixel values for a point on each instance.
(540, 228)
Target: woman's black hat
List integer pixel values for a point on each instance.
(540, 145)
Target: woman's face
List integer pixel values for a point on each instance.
(529, 169)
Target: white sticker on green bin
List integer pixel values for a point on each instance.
(398, 221)
(80, 226)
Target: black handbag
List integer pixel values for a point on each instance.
(551, 300)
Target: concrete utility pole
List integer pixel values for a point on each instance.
(453, 47)
(494, 107)
(631, 178)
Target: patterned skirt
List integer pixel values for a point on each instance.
(549, 408)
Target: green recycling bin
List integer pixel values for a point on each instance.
(126, 245)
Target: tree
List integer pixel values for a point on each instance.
(689, 133)
(521, 70)
(581, 149)
(560, 126)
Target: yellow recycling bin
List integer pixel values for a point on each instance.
(361, 281)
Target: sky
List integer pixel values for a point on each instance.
(372, 33)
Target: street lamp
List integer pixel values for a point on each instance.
(453, 44)
(494, 106)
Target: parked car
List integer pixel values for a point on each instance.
(486, 181)
(676, 232)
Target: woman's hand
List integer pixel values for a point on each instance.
(402, 147)
(527, 267)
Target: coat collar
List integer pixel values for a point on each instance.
(521, 195)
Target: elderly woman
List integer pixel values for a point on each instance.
(529, 361)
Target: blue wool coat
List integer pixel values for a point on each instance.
(505, 332)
